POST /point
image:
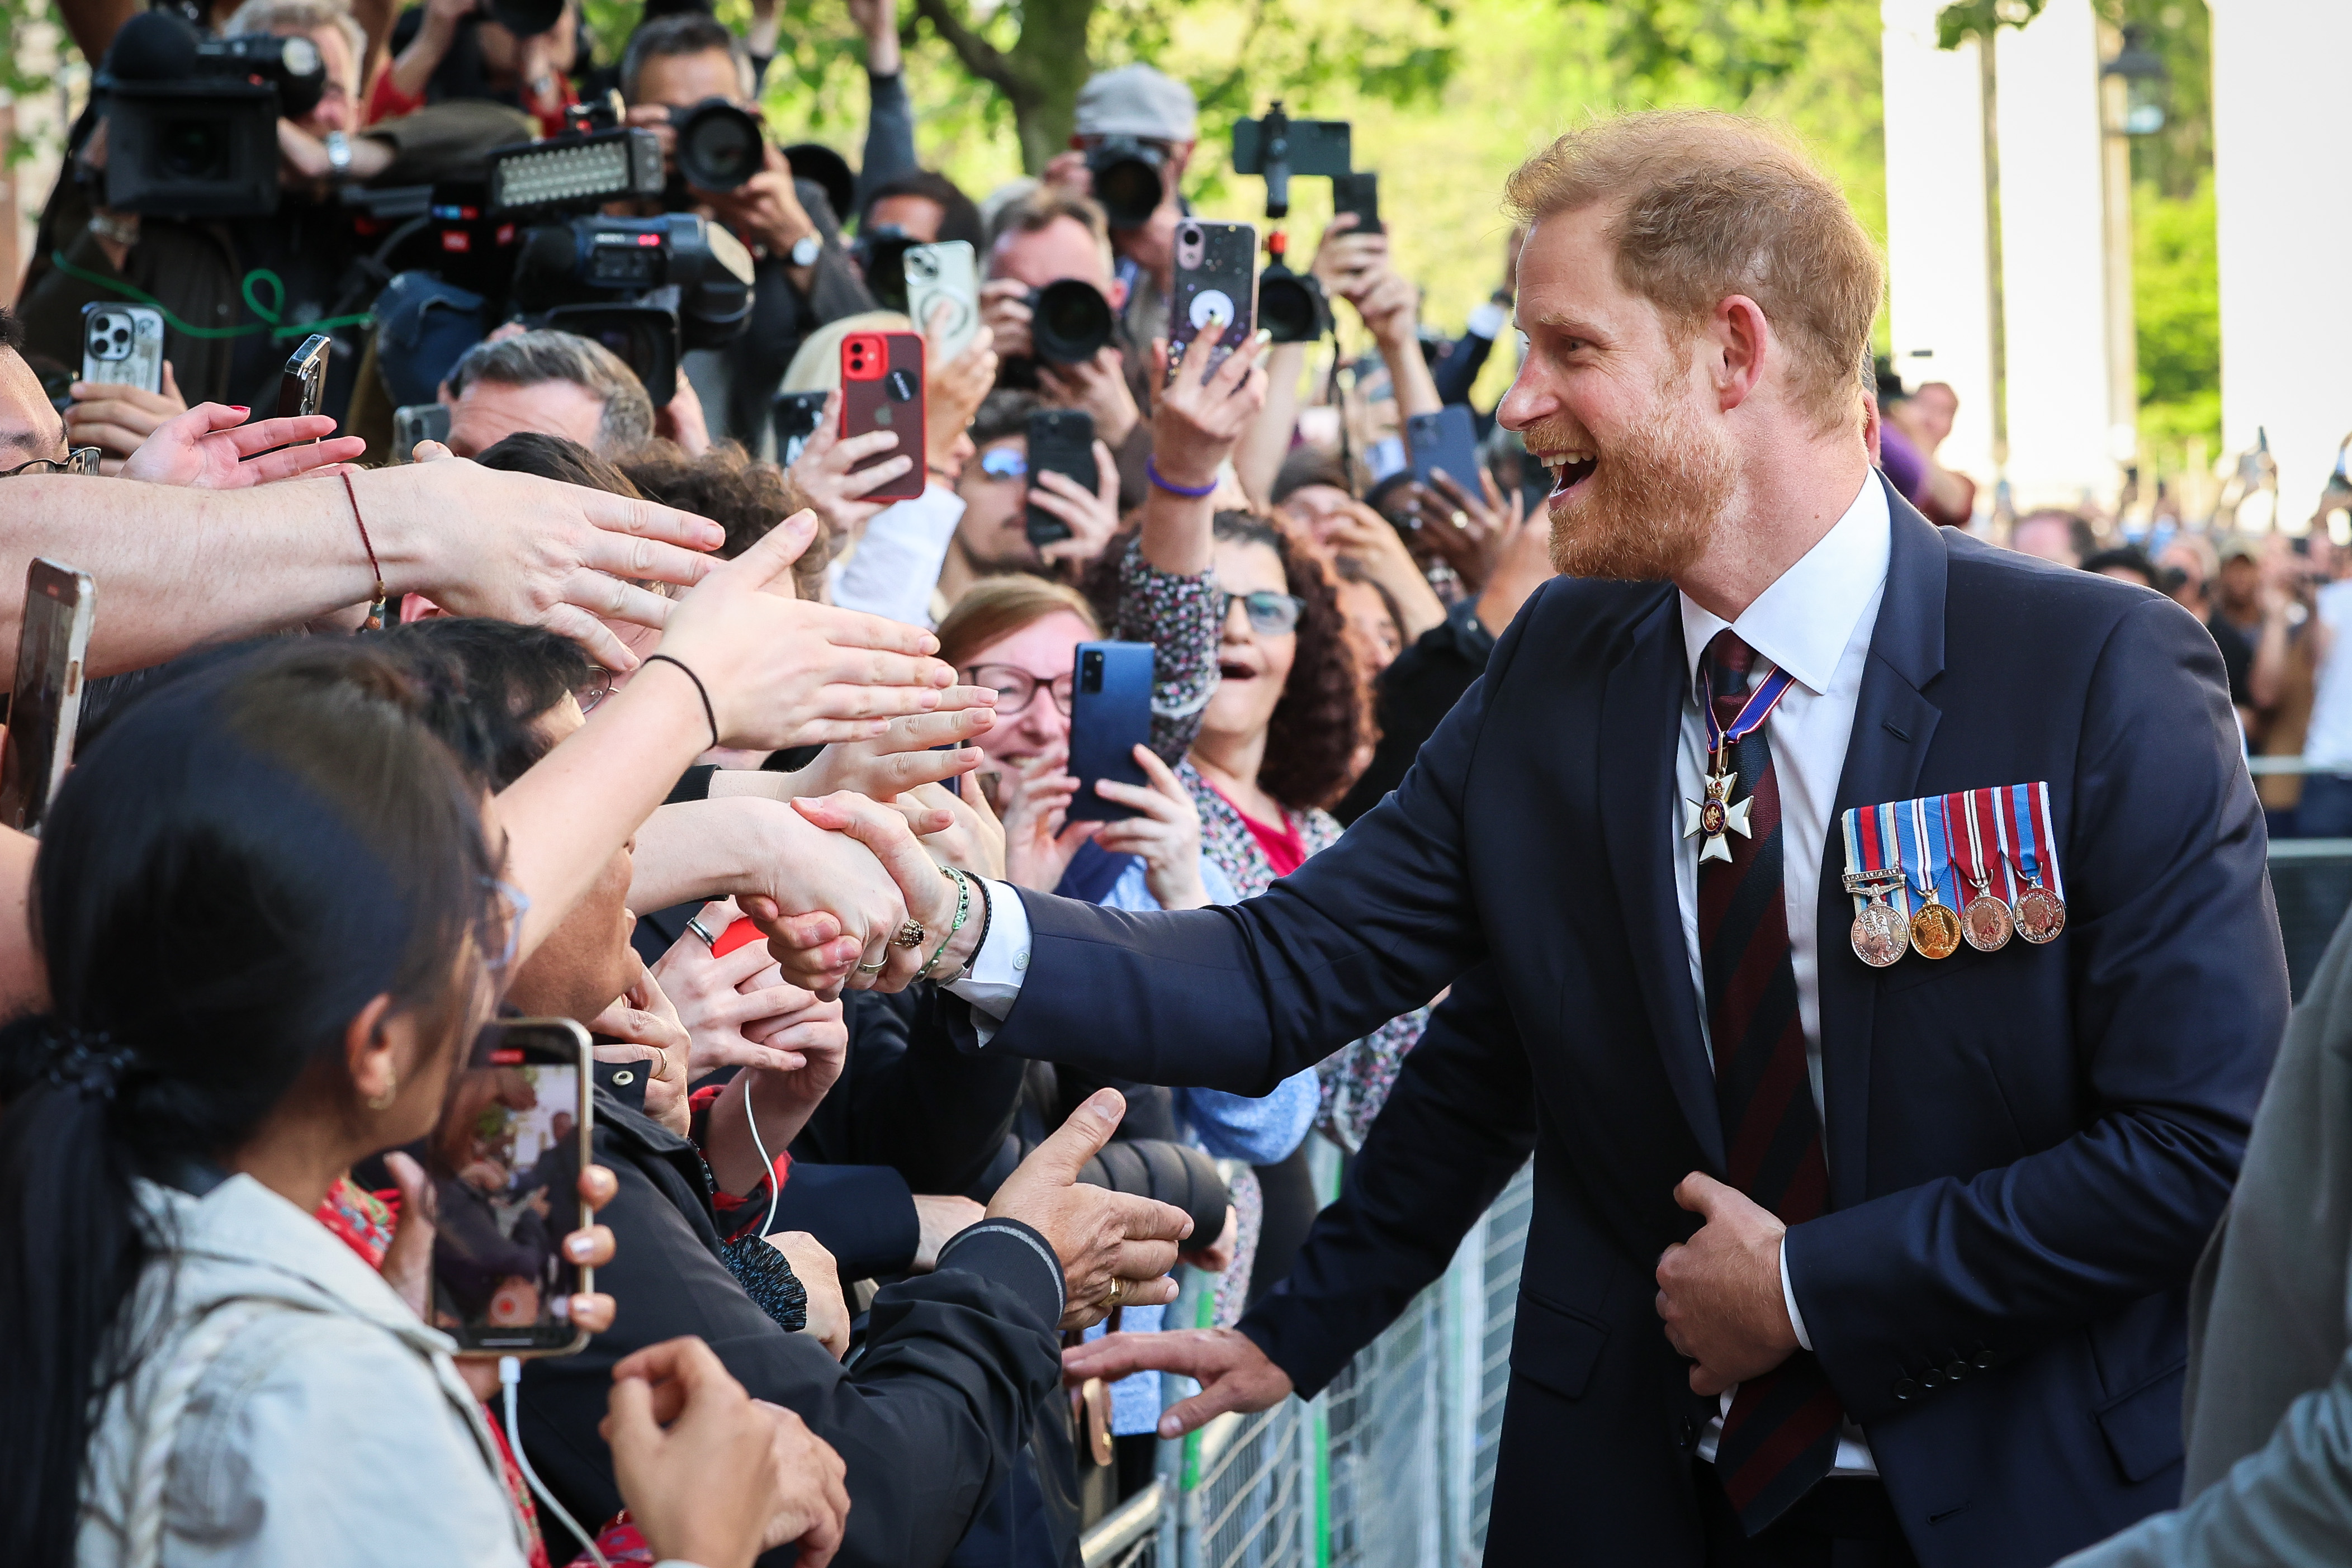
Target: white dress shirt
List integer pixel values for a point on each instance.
(1814, 622)
(896, 562)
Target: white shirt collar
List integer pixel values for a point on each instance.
(1805, 619)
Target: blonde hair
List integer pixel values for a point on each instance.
(1708, 205)
(816, 364)
(996, 607)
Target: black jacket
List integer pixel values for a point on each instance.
(929, 1422)
(1414, 693)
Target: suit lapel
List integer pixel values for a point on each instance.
(1893, 725)
(1640, 721)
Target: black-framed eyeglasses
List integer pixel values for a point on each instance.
(594, 689)
(1016, 688)
(1271, 614)
(80, 460)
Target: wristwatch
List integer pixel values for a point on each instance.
(339, 156)
(806, 249)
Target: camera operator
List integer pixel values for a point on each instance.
(513, 52)
(925, 207)
(803, 277)
(1135, 127)
(1046, 237)
(553, 384)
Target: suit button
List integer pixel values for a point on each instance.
(1905, 1388)
(1931, 1378)
(1955, 1371)
(1688, 1431)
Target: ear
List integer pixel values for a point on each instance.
(1871, 420)
(1116, 293)
(1742, 342)
(368, 1052)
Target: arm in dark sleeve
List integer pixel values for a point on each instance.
(863, 1214)
(913, 1101)
(1414, 693)
(1456, 370)
(2179, 994)
(1458, 1125)
(889, 135)
(929, 1423)
(1239, 999)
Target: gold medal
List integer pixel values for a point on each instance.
(1935, 929)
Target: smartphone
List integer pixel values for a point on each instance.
(417, 421)
(944, 272)
(1446, 440)
(1359, 193)
(123, 345)
(882, 389)
(45, 704)
(505, 1162)
(1216, 280)
(303, 385)
(1110, 715)
(1061, 441)
(795, 416)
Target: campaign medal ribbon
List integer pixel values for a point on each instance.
(1970, 821)
(1716, 812)
(1874, 870)
(2039, 907)
(1935, 928)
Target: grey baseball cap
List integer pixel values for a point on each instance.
(1136, 100)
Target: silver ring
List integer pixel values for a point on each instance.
(874, 968)
(1461, 520)
(694, 924)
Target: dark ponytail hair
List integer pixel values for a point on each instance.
(1310, 741)
(247, 857)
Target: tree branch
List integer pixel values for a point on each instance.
(980, 58)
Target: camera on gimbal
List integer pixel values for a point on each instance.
(1128, 176)
(1290, 305)
(192, 122)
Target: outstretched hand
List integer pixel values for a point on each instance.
(1102, 1237)
(1232, 1372)
(211, 447)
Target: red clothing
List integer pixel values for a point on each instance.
(386, 101)
(1285, 851)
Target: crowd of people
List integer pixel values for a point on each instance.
(571, 711)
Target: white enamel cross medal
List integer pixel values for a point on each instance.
(1718, 814)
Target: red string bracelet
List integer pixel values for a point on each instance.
(376, 608)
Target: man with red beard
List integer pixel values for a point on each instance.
(1854, 1243)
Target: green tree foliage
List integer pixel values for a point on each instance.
(2177, 299)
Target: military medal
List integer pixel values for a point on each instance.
(1935, 928)
(2039, 908)
(1874, 872)
(1717, 813)
(1984, 920)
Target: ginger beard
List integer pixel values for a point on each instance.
(1650, 507)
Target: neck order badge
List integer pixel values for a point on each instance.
(1906, 861)
(1718, 813)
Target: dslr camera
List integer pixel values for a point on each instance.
(1069, 323)
(718, 145)
(1130, 175)
(192, 122)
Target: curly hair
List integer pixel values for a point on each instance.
(1311, 740)
(742, 494)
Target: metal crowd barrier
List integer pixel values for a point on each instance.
(1391, 1467)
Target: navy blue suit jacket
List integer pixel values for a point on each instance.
(2027, 1148)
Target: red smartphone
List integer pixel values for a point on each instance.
(882, 389)
(743, 932)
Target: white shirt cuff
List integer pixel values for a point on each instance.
(1789, 1300)
(993, 984)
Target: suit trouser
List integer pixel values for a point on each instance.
(1846, 1522)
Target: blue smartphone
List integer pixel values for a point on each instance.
(1446, 440)
(1110, 715)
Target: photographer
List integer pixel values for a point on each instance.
(1051, 237)
(1136, 130)
(804, 279)
(519, 54)
(997, 488)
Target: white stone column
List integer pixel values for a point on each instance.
(1939, 309)
(2282, 148)
(2054, 259)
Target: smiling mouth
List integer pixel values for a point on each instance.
(1230, 672)
(1568, 469)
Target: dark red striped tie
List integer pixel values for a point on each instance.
(1781, 1434)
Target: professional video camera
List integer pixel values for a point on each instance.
(1290, 305)
(1129, 176)
(647, 289)
(192, 122)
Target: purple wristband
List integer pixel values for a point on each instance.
(1151, 471)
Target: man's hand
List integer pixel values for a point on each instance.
(1719, 1292)
(820, 1278)
(211, 447)
(887, 962)
(1004, 311)
(1098, 385)
(1232, 1373)
(815, 1509)
(1101, 1236)
(831, 903)
(647, 1029)
(1092, 516)
(116, 418)
(765, 209)
(941, 1217)
(697, 1463)
(1346, 262)
(878, 20)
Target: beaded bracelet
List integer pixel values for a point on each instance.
(963, 913)
(1151, 471)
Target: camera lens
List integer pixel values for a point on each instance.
(1290, 308)
(719, 146)
(1069, 321)
(193, 149)
(1126, 173)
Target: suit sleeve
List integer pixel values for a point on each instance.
(1241, 997)
(1460, 1121)
(2179, 994)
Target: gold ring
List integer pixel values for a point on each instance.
(1118, 1292)
(910, 935)
(874, 968)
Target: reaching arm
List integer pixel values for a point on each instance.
(1259, 458)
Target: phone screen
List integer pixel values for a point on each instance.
(505, 1163)
(46, 700)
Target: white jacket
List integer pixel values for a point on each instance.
(317, 1421)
